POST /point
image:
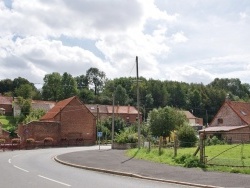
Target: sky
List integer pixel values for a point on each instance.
(192, 41)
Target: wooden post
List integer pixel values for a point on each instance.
(175, 144)
(202, 148)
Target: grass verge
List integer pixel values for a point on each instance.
(225, 158)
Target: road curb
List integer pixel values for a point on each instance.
(132, 175)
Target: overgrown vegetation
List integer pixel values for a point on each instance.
(187, 136)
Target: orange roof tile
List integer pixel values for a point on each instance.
(242, 109)
(51, 114)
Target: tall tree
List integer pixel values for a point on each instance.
(6, 85)
(97, 78)
(25, 91)
(51, 89)
(68, 86)
(121, 96)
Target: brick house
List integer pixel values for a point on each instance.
(195, 122)
(128, 113)
(6, 105)
(69, 119)
(231, 123)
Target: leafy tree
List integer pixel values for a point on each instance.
(97, 78)
(68, 86)
(51, 89)
(164, 120)
(121, 96)
(187, 136)
(81, 81)
(35, 114)
(86, 95)
(25, 91)
(6, 85)
(24, 104)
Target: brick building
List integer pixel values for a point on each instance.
(69, 119)
(6, 105)
(232, 122)
(128, 113)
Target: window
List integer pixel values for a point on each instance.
(220, 120)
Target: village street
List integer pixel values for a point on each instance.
(36, 168)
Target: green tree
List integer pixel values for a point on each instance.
(187, 136)
(6, 85)
(121, 96)
(164, 120)
(97, 78)
(35, 114)
(51, 89)
(24, 104)
(68, 86)
(25, 91)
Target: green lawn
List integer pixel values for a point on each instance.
(227, 158)
(7, 121)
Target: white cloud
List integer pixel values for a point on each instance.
(192, 43)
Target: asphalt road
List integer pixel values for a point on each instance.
(37, 168)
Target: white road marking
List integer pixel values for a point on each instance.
(21, 168)
(9, 160)
(54, 181)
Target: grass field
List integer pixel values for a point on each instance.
(227, 158)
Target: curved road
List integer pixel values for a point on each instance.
(36, 168)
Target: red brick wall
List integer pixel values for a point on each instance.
(39, 130)
(229, 117)
(76, 118)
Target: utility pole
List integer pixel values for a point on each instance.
(113, 121)
(138, 103)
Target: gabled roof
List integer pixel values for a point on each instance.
(188, 115)
(51, 114)
(242, 109)
(6, 100)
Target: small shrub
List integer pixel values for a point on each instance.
(188, 161)
(187, 136)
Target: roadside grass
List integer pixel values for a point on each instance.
(233, 158)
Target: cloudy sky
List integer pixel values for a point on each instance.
(190, 41)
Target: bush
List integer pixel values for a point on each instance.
(128, 135)
(214, 141)
(188, 161)
(187, 136)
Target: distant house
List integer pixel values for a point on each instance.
(69, 119)
(195, 122)
(35, 104)
(128, 113)
(232, 122)
(6, 105)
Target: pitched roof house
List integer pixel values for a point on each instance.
(232, 122)
(6, 104)
(128, 113)
(68, 119)
(194, 121)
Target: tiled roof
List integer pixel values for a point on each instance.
(222, 128)
(6, 100)
(188, 114)
(242, 109)
(51, 114)
(122, 109)
(108, 109)
(93, 108)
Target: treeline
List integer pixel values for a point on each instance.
(94, 87)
